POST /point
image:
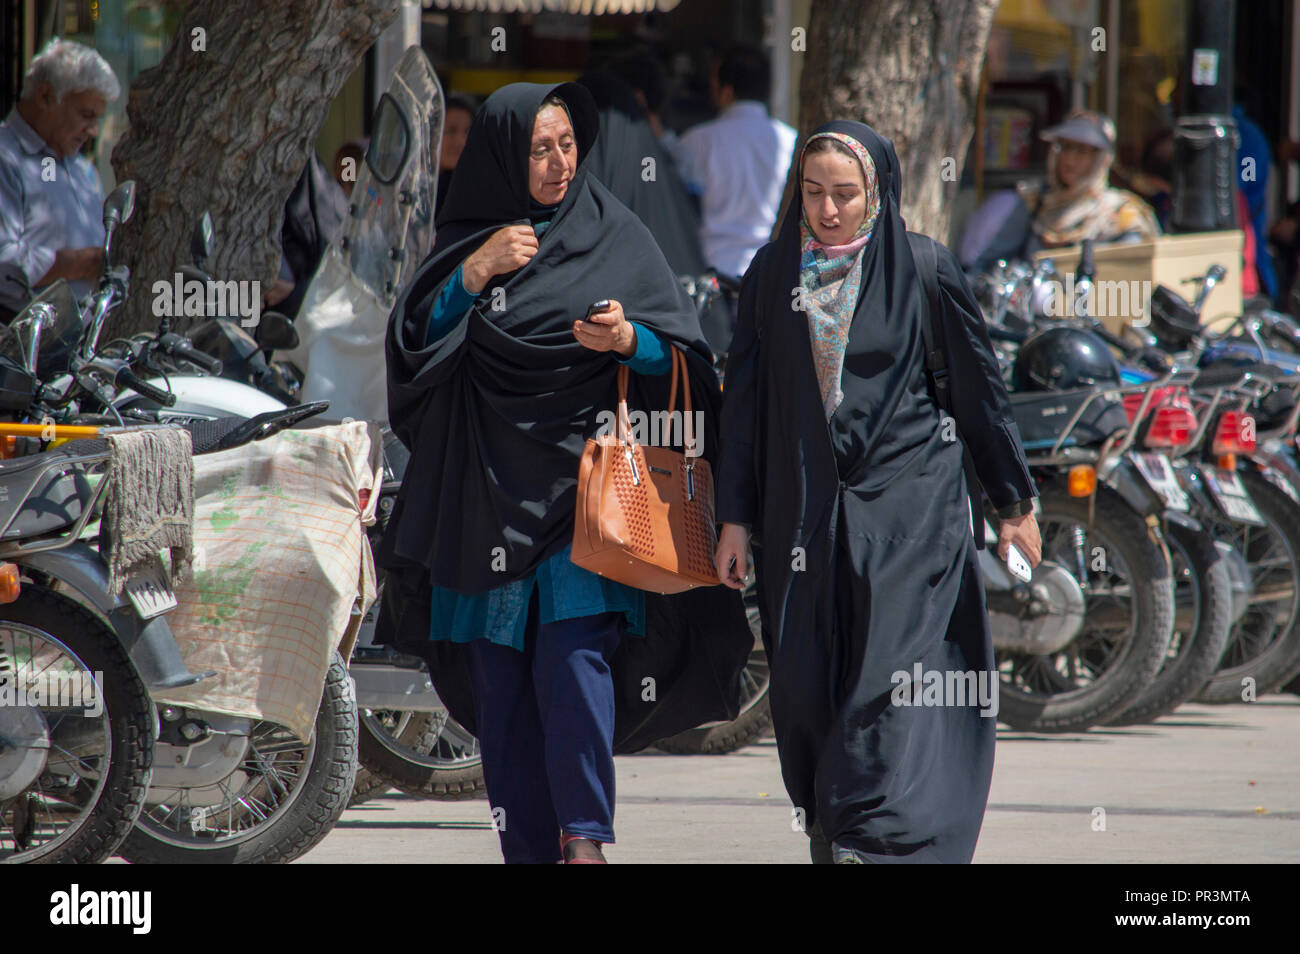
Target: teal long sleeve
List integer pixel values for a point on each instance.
(651, 355)
(448, 308)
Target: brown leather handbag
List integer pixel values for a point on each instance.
(645, 514)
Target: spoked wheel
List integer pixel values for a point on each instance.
(1264, 645)
(283, 798)
(1129, 615)
(76, 733)
(425, 754)
(755, 716)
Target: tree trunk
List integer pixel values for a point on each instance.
(909, 69)
(228, 129)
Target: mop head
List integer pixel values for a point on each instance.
(149, 505)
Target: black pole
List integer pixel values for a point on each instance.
(1205, 136)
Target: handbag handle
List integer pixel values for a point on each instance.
(679, 373)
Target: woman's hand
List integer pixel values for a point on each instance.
(733, 548)
(1023, 532)
(505, 250)
(607, 330)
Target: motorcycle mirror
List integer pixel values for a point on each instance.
(119, 205)
(201, 239)
(275, 331)
(1216, 273)
(390, 143)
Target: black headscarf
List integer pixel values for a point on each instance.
(496, 413)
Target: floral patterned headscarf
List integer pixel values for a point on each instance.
(831, 276)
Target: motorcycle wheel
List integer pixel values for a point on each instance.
(1126, 631)
(1264, 646)
(755, 716)
(1202, 624)
(424, 754)
(283, 799)
(91, 785)
(367, 786)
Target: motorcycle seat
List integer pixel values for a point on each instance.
(1041, 416)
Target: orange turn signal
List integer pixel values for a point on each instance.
(1082, 480)
(10, 582)
(1228, 461)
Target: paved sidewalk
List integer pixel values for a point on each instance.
(1206, 784)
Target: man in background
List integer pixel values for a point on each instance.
(738, 162)
(51, 200)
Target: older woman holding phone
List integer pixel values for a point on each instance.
(502, 354)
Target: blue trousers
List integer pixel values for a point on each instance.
(546, 732)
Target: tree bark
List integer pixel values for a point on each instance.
(909, 69)
(228, 129)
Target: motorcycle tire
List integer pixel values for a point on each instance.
(1202, 625)
(1278, 661)
(405, 761)
(117, 803)
(746, 729)
(1134, 664)
(296, 827)
(367, 786)
(755, 717)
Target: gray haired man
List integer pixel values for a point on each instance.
(51, 218)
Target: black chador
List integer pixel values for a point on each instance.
(865, 561)
(497, 411)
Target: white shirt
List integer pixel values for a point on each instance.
(46, 203)
(739, 162)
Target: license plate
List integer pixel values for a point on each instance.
(150, 592)
(1226, 488)
(1155, 469)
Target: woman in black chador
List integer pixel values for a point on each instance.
(497, 374)
(837, 457)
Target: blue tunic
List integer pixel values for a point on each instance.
(564, 589)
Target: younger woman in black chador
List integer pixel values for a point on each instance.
(495, 380)
(836, 455)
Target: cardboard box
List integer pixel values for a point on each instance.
(1126, 275)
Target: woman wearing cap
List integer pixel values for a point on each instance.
(837, 458)
(1076, 202)
(497, 376)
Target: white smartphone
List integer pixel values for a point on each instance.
(1018, 565)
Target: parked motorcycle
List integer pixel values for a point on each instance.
(222, 789)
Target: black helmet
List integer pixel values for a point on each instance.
(1062, 357)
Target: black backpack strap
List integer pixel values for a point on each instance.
(936, 362)
(936, 359)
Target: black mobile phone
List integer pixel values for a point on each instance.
(597, 307)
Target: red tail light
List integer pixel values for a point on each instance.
(1173, 421)
(363, 497)
(1134, 401)
(1171, 426)
(1235, 434)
